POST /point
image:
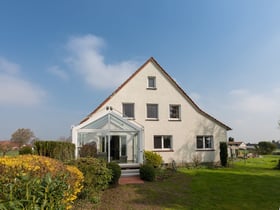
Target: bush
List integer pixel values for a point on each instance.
(63, 151)
(223, 153)
(96, 176)
(25, 150)
(153, 159)
(88, 150)
(278, 165)
(116, 172)
(265, 147)
(147, 172)
(36, 182)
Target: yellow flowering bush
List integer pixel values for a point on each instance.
(32, 182)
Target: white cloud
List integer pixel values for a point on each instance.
(245, 100)
(57, 71)
(8, 67)
(253, 115)
(86, 59)
(15, 90)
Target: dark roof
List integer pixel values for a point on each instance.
(172, 81)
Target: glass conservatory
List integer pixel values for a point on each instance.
(116, 138)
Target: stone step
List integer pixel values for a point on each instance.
(130, 172)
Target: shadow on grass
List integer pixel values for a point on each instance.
(171, 193)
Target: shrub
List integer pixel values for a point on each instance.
(25, 150)
(63, 151)
(96, 176)
(153, 159)
(223, 153)
(278, 165)
(147, 172)
(116, 172)
(88, 150)
(36, 182)
(196, 160)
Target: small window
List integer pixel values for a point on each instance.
(152, 111)
(128, 110)
(163, 142)
(174, 112)
(204, 142)
(151, 82)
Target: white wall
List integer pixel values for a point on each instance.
(184, 132)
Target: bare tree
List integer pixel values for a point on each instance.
(22, 136)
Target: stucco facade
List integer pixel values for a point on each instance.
(178, 138)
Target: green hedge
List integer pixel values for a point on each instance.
(96, 177)
(63, 151)
(116, 172)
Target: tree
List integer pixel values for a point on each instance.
(231, 139)
(266, 147)
(22, 136)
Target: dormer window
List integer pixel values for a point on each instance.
(151, 83)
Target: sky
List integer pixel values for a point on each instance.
(60, 59)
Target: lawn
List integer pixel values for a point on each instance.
(250, 184)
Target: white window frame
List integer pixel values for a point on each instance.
(154, 83)
(163, 137)
(179, 112)
(123, 111)
(204, 139)
(147, 114)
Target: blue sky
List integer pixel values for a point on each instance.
(60, 59)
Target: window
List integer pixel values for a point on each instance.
(204, 142)
(152, 111)
(174, 112)
(151, 82)
(128, 110)
(163, 142)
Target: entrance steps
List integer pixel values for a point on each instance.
(130, 169)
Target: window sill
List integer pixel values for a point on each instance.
(204, 150)
(163, 150)
(129, 118)
(174, 119)
(152, 119)
(151, 88)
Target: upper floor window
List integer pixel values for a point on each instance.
(128, 110)
(163, 142)
(204, 142)
(174, 112)
(151, 83)
(152, 111)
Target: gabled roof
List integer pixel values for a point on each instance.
(172, 81)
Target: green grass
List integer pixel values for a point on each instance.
(250, 184)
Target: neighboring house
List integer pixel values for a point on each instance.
(150, 111)
(236, 149)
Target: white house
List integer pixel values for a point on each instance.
(150, 111)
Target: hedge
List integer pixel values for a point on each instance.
(63, 151)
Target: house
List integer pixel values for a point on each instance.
(150, 111)
(236, 149)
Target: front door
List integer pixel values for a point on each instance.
(115, 148)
